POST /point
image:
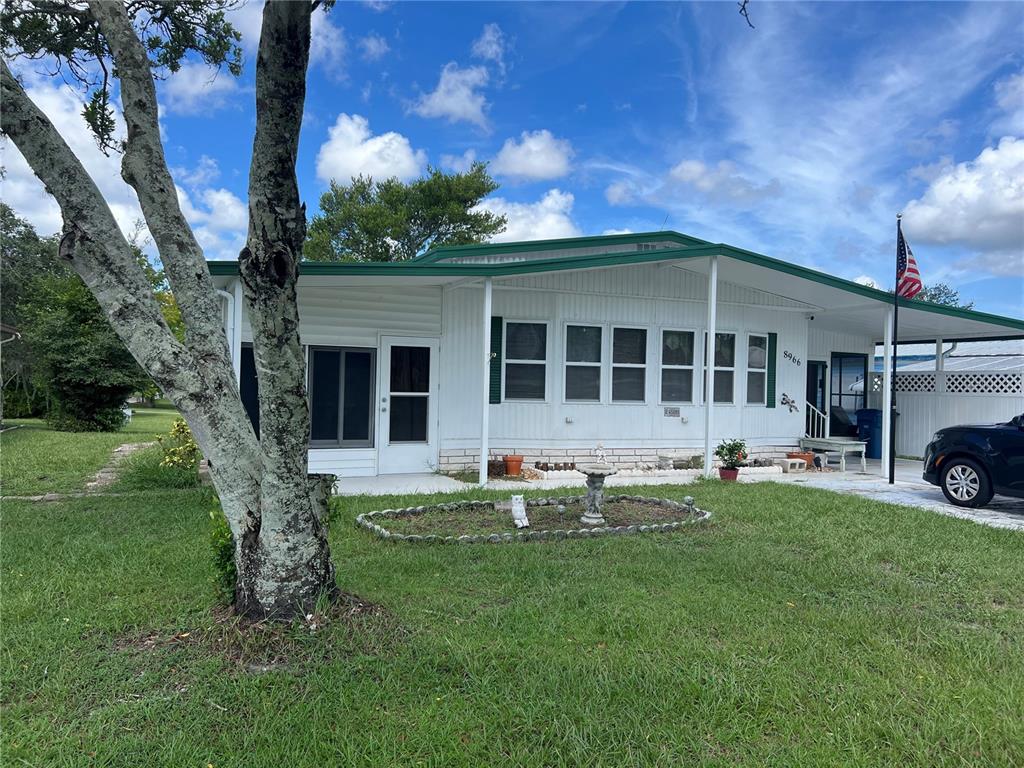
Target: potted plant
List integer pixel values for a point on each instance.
(513, 464)
(732, 454)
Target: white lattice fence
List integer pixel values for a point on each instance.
(994, 383)
(916, 382)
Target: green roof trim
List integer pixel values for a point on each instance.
(437, 267)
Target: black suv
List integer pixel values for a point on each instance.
(971, 463)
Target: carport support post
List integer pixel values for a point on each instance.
(886, 391)
(485, 389)
(709, 363)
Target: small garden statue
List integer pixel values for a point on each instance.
(519, 512)
(732, 454)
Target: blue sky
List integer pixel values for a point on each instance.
(801, 138)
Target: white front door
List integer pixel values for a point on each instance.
(408, 405)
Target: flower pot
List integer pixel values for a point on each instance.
(513, 464)
(807, 456)
(728, 474)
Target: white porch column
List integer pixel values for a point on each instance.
(485, 390)
(709, 364)
(236, 330)
(886, 391)
(940, 364)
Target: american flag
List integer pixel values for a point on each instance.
(908, 279)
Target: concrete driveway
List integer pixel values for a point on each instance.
(911, 491)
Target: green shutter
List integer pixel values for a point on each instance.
(773, 347)
(496, 347)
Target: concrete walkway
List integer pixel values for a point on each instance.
(909, 490)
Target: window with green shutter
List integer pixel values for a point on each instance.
(496, 347)
(773, 350)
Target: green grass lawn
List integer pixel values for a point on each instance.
(799, 627)
(36, 460)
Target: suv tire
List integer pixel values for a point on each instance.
(965, 483)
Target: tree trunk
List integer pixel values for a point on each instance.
(287, 572)
(277, 513)
(287, 566)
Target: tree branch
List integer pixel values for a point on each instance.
(144, 167)
(96, 249)
(268, 265)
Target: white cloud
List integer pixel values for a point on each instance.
(351, 149)
(1010, 100)
(198, 89)
(374, 47)
(625, 231)
(537, 155)
(328, 47)
(377, 5)
(220, 224)
(20, 188)
(620, 193)
(459, 163)
(867, 280)
(248, 20)
(491, 46)
(549, 217)
(456, 97)
(978, 204)
(722, 181)
(205, 171)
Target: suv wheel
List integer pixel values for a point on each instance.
(966, 484)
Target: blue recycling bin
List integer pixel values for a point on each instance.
(869, 429)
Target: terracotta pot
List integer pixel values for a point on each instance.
(728, 474)
(807, 456)
(513, 464)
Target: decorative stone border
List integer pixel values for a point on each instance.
(367, 520)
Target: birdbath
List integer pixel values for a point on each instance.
(596, 473)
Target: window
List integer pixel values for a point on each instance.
(757, 368)
(341, 390)
(677, 366)
(725, 366)
(583, 363)
(526, 350)
(629, 365)
(409, 392)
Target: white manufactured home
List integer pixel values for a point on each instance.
(552, 348)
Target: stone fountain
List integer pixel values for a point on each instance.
(596, 474)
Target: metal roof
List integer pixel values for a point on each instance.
(837, 304)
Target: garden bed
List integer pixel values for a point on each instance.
(472, 522)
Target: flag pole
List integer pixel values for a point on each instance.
(895, 347)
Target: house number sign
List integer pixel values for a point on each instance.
(791, 357)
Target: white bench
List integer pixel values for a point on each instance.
(829, 445)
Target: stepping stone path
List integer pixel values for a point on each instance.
(102, 479)
(108, 474)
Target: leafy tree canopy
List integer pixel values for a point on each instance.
(390, 220)
(941, 293)
(66, 35)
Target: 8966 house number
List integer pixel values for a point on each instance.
(791, 357)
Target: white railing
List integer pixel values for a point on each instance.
(817, 423)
